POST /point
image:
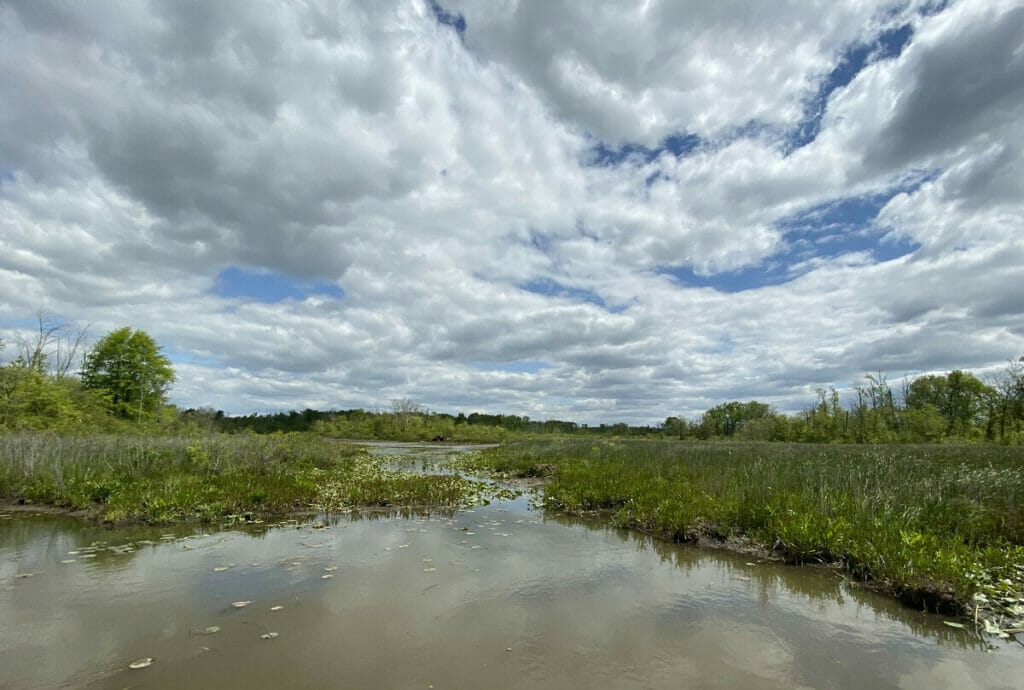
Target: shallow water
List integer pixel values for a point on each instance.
(499, 596)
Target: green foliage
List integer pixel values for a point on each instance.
(416, 426)
(960, 398)
(128, 369)
(728, 419)
(173, 478)
(934, 520)
(31, 399)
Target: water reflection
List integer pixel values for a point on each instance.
(817, 586)
(498, 596)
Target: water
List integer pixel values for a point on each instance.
(500, 596)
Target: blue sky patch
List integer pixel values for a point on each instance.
(749, 278)
(30, 322)
(183, 357)
(889, 44)
(827, 231)
(443, 16)
(677, 144)
(269, 287)
(552, 288)
(843, 227)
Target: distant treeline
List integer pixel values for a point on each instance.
(122, 382)
(409, 424)
(955, 407)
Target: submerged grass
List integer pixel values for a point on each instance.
(942, 527)
(169, 479)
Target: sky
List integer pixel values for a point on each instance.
(579, 210)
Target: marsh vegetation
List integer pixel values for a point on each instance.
(163, 479)
(941, 527)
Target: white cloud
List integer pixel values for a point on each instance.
(434, 178)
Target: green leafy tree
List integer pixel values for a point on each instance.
(1009, 386)
(727, 419)
(129, 370)
(959, 397)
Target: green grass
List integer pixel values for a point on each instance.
(935, 525)
(170, 479)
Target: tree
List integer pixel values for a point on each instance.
(1009, 386)
(53, 347)
(959, 397)
(403, 410)
(129, 370)
(729, 418)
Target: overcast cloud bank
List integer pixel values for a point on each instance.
(560, 209)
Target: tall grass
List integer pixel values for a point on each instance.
(933, 524)
(166, 479)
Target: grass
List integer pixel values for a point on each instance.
(942, 527)
(170, 479)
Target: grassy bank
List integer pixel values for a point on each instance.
(168, 479)
(941, 527)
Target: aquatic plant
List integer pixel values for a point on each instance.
(168, 479)
(942, 527)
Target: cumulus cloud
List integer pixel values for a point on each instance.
(497, 205)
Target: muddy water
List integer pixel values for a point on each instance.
(497, 597)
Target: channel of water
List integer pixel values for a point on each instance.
(501, 596)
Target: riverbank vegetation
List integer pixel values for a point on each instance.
(172, 478)
(52, 382)
(942, 527)
(939, 525)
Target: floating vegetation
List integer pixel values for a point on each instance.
(141, 663)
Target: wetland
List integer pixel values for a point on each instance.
(498, 592)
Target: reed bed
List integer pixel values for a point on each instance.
(168, 479)
(940, 526)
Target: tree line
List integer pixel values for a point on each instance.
(935, 408)
(123, 380)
